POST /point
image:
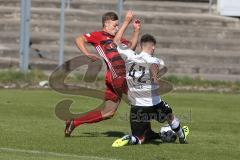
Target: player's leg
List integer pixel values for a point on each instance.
(140, 121)
(175, 125)
(150, 135)
(151, 113)
(173, 121)
(105, 111)
(140, 128)
(109, 109)
(134, 138)
(102, 113)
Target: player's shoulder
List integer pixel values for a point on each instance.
(123, 49)
(160, 61)
(153, 60)
(94, 33)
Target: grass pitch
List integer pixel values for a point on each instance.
(30, 130)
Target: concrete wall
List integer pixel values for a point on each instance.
(191, 41)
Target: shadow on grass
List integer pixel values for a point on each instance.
(102, 134)
(116, 134)
(154, 142)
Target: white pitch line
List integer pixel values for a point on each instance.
(54, 154)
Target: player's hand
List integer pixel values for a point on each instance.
(129, 16)
(137, 25)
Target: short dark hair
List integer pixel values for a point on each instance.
(109, 16)
(147, 38)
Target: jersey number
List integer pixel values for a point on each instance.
(133, 71)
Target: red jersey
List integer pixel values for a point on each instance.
(103, 43)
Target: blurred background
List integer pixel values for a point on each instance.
(197, 39)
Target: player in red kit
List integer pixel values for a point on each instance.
(115, 75)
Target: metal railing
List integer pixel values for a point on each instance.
(120, 9)
(67, 4)
(25, 34)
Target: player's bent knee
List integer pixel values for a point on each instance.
(108, 115)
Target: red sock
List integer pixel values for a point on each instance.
(90, 117)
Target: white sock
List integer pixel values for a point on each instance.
(175, 126)
(134, 140)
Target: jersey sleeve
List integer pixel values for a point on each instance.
(157, 61)
(125, 52)
(91, 37)
(161, 62)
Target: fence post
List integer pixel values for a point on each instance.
(25, 34)
(61, 39)
(120, 10)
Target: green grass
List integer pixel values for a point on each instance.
(29, 129)
(199, 82)
(17, 77)
(33, 77)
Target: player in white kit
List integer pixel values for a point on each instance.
(143, 91)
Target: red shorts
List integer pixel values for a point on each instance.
(115, 87)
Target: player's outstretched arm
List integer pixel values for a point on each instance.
(81, 44)
(135, 34)
(127, 20)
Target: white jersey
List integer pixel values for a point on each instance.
(141, 91)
